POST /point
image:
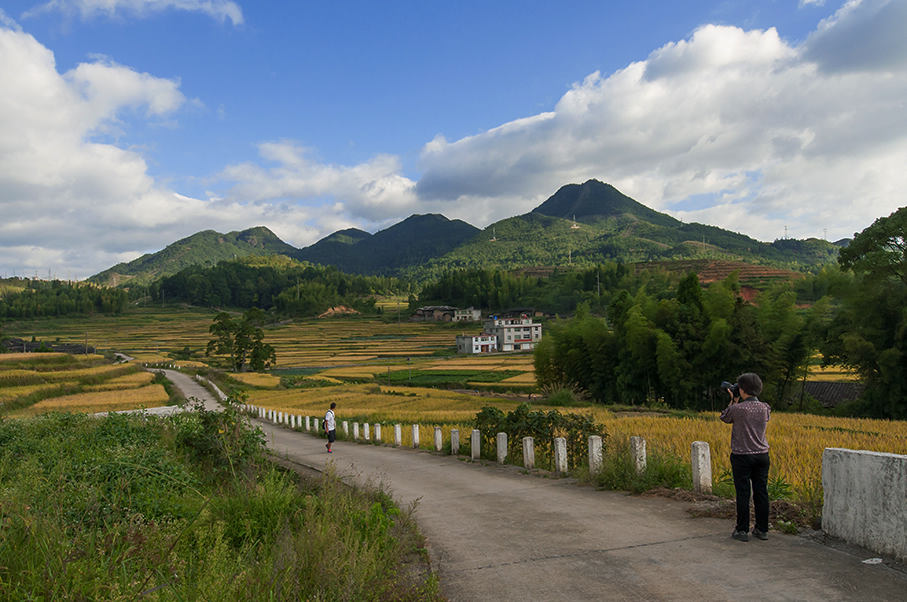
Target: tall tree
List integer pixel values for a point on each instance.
(870, 332)
(242, 340)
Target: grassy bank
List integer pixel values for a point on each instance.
(187, 507)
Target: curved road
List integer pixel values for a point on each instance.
(495, 533)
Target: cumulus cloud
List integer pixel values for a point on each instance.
(374, 190)
(736, 128)
(222, 10)
(864, 35)
(76, 205)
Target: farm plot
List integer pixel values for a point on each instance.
(64, 383)
(99, 401)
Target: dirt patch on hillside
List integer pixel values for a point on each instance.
(338, 310)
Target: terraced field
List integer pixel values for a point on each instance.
(35, 383)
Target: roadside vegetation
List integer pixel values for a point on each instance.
(188, 507)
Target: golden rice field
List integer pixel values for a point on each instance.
(50, 382)
(128, 381)
(99, 401)
(256, 379)
(833, 374)
(11, 394)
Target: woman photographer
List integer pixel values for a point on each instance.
(749, 454)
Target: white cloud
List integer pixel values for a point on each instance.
(374, 191)
(77, 206)
(775, 135)
(222, 10)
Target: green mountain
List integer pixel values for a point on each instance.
(202, 248)
(412, 242)
(584, 224)
(580, 224)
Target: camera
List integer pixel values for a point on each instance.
(733, 388)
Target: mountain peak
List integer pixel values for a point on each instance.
(594, 200)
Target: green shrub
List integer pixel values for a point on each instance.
(619, 470)
(543, 427)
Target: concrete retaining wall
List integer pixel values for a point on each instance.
(866, 499)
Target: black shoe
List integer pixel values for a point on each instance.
(760, 534)
(740, 536)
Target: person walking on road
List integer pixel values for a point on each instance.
(749, 454)
(330, 427)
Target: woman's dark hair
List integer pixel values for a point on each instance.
(750, 382)
(334, 405)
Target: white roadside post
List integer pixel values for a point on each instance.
(638, 451)
(366, 432)
(439, 442)
(528, 453)
(595, 454)
(560, 455)
(398, 435)
(378, 432)
(501, 440)
(355, 431)
(416, 436)
(702, 467)
(307, 424)
(346, 427)
(454, 441)
(474, 443)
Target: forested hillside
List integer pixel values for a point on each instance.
(281, 284)
(203, 248)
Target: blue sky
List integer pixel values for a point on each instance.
(132, 123)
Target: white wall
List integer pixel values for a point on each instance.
(866, 499)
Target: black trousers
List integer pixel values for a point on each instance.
(751, 469)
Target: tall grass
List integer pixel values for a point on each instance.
(186, 507)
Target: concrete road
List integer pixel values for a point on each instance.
(497, 534)
(190, 389)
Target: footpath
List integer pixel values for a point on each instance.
(494, 533)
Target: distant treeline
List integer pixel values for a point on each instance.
(40, 298)
(494, 290)
(287, 287)
(596, 286)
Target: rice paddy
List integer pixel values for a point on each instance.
(99, 401)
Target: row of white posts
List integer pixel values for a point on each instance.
(699, 451)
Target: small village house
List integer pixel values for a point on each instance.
(479, 343)
(514, 334)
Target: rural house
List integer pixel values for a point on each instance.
(445, 313)
(468, 315)
(434, 313)
(514, 334)
(479, 343)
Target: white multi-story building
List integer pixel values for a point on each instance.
(514, 334)
(479, 343)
